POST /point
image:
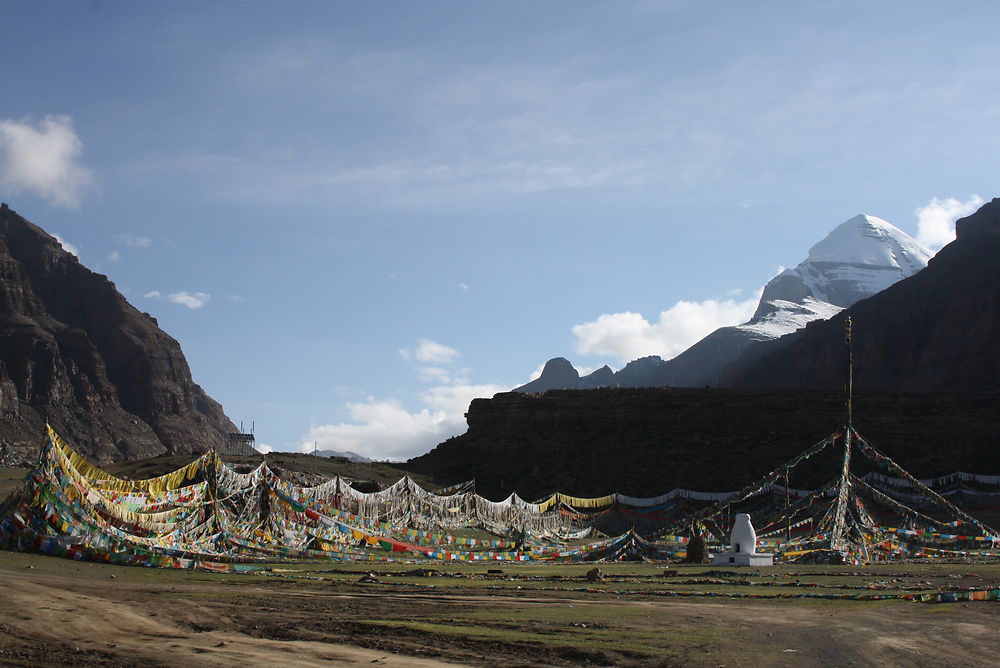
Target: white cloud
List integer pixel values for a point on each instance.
(191, 300)
(380, 430)
(464, 287)
(453, 400)
(384, 429)
(936, 220)
(628, 336)
(43, 159)
(114, 256)
(263, 449)
(430, 352)
(194, 301)
(67, 246)
(437, 362)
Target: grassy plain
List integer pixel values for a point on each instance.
(62, 612)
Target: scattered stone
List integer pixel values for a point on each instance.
(595, 575)
(368, 577)
(823, 557)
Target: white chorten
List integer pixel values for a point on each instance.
(743, 547)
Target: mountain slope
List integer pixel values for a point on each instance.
(937, 331)
(858, 259)
(74, 352)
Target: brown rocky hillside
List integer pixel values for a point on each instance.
(74, 352)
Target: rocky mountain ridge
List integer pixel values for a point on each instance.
(926, 373)
(342, 454)
(858, 259)
(75, 353)
(937, 331)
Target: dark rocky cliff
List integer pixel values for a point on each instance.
(74, 352)
(927, 367)
(646, 441)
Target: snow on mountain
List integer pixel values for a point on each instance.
(858, 259)
(869, 240)
(787, 317)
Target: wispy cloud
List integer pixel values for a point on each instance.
(385, 429)
(44, 160)
(436, 363)
(134, 240)
(557, 126)
(936, 220)
(627, 336)
(430, 352)
(192, 300)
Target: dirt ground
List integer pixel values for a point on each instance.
(59, 612)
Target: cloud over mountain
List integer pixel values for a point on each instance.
(936, 220)
(43, 159)
(384, 428)
(627, 336)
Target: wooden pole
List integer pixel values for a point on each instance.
(788, 517)
(849, 389)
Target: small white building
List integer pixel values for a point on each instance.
(743, 547)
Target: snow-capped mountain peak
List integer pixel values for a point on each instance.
(869, 240)
(858, 259)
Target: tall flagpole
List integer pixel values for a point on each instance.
(837, 541)
(850, 372)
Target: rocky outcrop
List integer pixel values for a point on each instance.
(75, 353)
(603, 377)
(985, 222)
(937, 331)
(559, 374)
(647, 441)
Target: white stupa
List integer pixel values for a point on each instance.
(743, 547)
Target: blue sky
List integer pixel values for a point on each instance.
(357, 216)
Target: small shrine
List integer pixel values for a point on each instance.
(743, 547)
